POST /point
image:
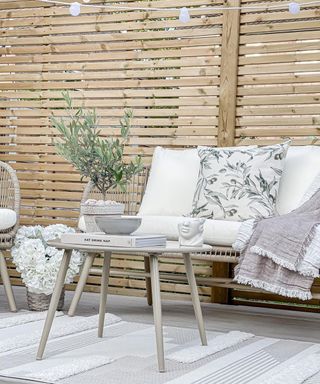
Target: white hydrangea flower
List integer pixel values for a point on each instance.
(39, 263)
(55, 231)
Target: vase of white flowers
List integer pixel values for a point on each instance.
(39, 263)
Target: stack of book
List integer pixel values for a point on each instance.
(125, 241)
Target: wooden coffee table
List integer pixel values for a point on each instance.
(154, 253)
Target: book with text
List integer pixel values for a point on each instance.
(103, 239)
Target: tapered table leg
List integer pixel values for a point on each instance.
(148, 280)
(157, 312)
(54, 302)
(104, 291)
(195, 297)
(6, 283)
(81, 283)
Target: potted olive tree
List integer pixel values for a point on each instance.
(96, 158)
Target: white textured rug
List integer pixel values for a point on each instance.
(126, 355)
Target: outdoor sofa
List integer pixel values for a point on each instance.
(162, 196)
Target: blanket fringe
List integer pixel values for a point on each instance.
(244, 235)
(302, 268)
(292, 293)
(308, 271)
(263, 252)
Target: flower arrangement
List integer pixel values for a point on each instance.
(39, 263)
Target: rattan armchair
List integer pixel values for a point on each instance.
(9, 198)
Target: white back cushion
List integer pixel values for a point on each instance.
(302, 165)
(172, 182)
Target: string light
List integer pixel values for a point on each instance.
(184, 13)
(184, 16)
(294, 8)
(75, 9)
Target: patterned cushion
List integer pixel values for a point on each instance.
(238, 184)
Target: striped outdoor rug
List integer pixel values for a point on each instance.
(126, 355)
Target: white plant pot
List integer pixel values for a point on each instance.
(91, 211)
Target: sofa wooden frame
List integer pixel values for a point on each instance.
(222, 256)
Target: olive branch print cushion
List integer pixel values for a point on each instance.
(238, 183)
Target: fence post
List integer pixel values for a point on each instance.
(227, 110)
(229, 74)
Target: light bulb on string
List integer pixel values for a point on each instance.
(75, 9)
(184, 16)
(294, 8)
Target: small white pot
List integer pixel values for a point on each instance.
(91, 211)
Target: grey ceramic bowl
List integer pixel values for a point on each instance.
(119, 225)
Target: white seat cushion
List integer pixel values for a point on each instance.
(171, 183)
(302, 165)
(8, 218)
(216, 232)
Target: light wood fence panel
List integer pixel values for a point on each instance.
(166, 71)
(278, 93)
(223, 78)
(278, 77)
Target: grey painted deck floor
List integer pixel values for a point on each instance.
(263, 322)
(260, 321)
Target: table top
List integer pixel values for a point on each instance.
(171, 247)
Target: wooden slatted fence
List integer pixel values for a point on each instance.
(221, 79)
(278, 89)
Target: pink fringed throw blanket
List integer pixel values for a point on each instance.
(281, 254)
